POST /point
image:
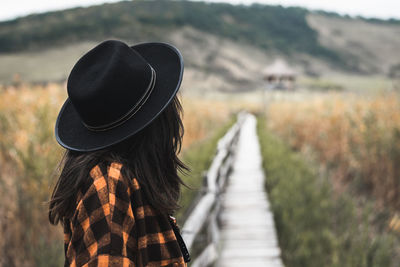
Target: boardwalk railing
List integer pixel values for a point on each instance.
(201, 224)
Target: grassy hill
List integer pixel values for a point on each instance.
(225, 46)
(268, 27)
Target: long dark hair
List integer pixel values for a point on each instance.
(150, 156)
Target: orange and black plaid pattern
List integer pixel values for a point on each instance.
(113, 225)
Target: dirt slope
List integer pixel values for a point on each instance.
(371, 46)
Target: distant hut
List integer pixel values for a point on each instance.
(279, 76)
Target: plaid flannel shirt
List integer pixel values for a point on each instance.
(114, 225)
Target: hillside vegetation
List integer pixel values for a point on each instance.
(225, 47)
(268, 27)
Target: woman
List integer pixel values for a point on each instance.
(122, 128)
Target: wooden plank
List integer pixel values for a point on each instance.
(248, 236)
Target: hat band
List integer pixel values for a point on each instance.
(132, 111)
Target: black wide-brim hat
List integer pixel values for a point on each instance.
(116, 90)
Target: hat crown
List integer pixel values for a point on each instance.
(107, 82)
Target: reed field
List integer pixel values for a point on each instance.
(315, 225)
(332, 162)
(29, 155)
(355, 138)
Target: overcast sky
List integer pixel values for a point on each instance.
(368, 8)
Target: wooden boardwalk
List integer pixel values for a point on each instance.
(247, 236)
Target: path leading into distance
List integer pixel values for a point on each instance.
(248, 236)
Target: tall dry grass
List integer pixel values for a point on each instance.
(208, 114)
(356, 138)
(29, 155)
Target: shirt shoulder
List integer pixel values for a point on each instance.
(105, 181)
(102, 228)
(114, 219)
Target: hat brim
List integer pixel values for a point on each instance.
(167, 62)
